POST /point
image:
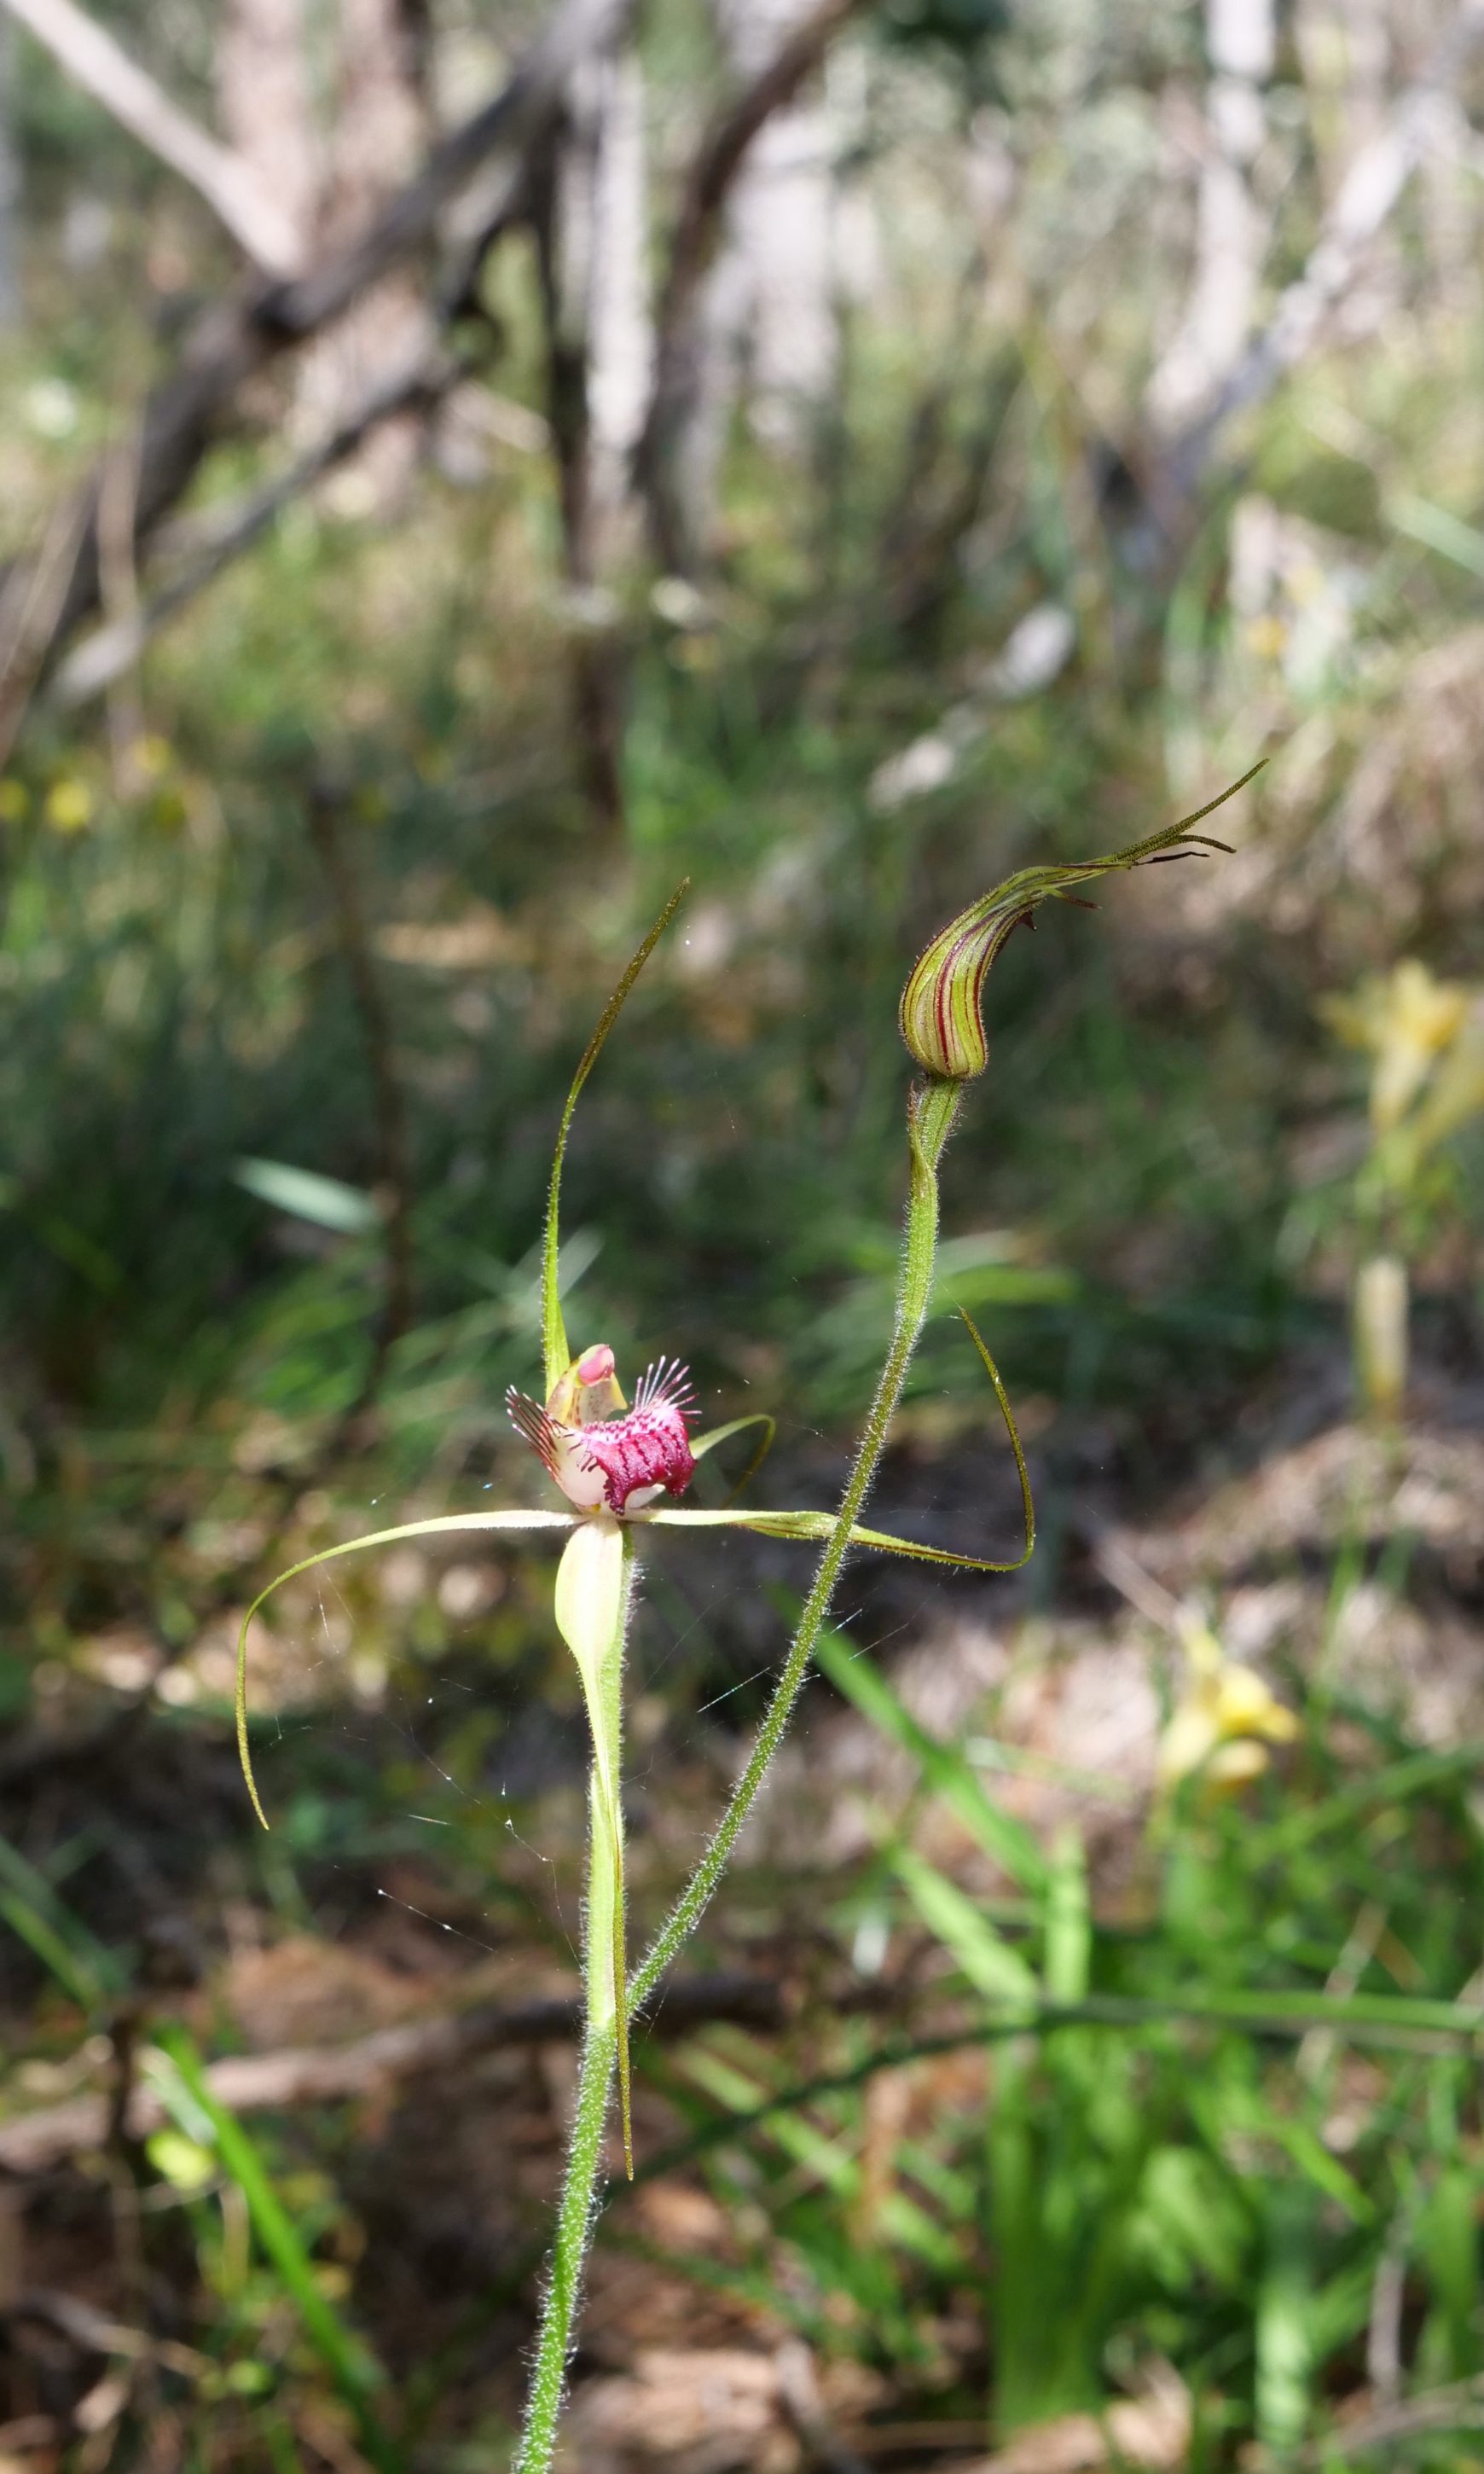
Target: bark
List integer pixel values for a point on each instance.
(591, 227)
(780, 219)
(41, 600)
(1231, 229)
(91, 668)
(380, 133)
(9, 185)
(330, 2073)
(620, 327)
(252, 213)
(1345, 50)
(1366, 199)
(766, 326)
(263, 104)
(685, 329)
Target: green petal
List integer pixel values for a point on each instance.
(554, 1338)
(445, 1524)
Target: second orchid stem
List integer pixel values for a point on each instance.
(933, 1108)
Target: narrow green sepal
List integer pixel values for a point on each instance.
(821, 1524)
(700, 1444)
(444, 1524)
(556, 1351)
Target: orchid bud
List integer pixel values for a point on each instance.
(942, 1015)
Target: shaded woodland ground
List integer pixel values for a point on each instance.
(494, 463)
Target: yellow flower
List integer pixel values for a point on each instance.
(1408, 1021)
(1226, 1718)
(70, 805)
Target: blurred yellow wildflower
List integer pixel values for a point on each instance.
(1225, 1719)
(70, 805)
(1408, 1021)
(1425, 1039)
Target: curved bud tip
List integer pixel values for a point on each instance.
(940, 1016)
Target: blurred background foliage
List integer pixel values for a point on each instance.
(1062, 409)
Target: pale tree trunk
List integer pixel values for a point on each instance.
(1311, 307)
(781, 220)
(591, 231)
(600, 289)
(621, 334)
(768, 324)
(263, 102)
(1449, 200)
(330, 185)
(380, 136)
(1345, 50)
(1231, 229)
(10, 183)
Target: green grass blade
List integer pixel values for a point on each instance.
(992, 1967)
(35, 1913)
(351, 2368)
(944, 1769)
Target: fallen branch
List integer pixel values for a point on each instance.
(331, 2074)
(1459, 2408)
(237, 338)
(1152, 2432)
(93, 665)
(219, 177)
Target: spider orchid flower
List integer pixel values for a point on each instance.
(604, 1456)
(620, 1469)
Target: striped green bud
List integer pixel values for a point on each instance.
(942, 1015)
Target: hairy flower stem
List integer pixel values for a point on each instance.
(570, 2251)
(932, 1110)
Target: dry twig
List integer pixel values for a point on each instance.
(236, 338)
(219, 177)
(34, 2143)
